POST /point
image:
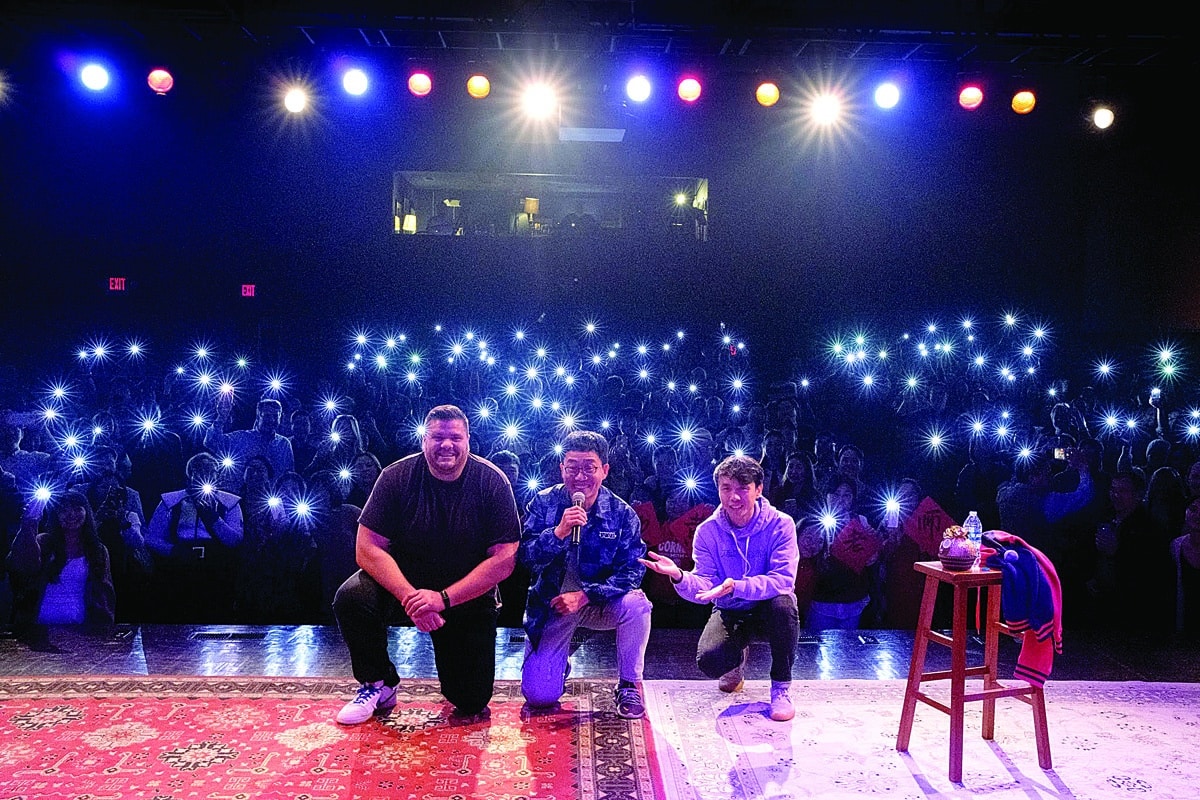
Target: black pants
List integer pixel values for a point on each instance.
(464, 649)
(729, 632)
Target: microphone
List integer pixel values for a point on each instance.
(577, 500)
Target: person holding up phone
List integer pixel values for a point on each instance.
(62, 574)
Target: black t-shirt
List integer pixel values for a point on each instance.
(441, 530)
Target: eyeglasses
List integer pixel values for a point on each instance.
(575, 470)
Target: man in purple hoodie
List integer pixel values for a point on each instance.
(746, 558)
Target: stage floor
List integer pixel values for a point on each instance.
(318, 651)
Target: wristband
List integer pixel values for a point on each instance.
(445, 599)
(677, 582)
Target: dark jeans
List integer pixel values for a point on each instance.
(464, 649)
(727, 633)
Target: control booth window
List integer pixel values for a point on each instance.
(531, 205)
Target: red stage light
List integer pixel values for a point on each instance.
(420, 84)
(970, 97)
(160, 81)
(689, 90)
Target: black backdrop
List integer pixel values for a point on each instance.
(926, 211)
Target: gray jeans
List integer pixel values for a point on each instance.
(545, 670)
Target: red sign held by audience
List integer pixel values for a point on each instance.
(925, 526)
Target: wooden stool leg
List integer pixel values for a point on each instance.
(991, 650)
(1038, 701)
(917, 667)
(958, 680)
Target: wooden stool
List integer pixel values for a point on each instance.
(989, 580)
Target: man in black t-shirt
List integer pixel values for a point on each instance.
(438, 533)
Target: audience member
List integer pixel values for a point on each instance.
(340, 448)
(700, 462)
(157, 465)
(105, 433)
(659, 484)
(624, 475)
(304, 441)
(1185, 550)
(282, 584)
(797, 496)
(515, 587)
(62, 575)
(979, 480)
(1077, 561)
(1134, 587)
(510, 464)
(334, 530)
(774, 461)
(255, 497)
(1166, 499)
(1029, 509)
(846, 548)
(850, 466)
(119, 523)
(26, 465)
(673, 537)
(825, 450)
(1192, 480)
(364, 471)
(194, 536)
(263, 440)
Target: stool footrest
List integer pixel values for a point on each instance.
(929, 701)
(939, 637)
(945, 674)
(1019, 692)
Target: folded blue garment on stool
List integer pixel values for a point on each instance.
(1030, 602)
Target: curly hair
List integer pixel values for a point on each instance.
(742, 469)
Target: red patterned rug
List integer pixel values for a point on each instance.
(170, 738)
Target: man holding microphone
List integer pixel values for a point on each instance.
(581, 544)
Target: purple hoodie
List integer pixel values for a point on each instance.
(761, 557)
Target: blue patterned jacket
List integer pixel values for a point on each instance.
(609, 548)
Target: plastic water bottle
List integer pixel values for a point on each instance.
(974, 529)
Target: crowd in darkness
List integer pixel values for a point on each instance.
(1092, 461)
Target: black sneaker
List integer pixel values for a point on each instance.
(629, 703)
(460, 717)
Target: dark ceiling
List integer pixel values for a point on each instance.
(747, 34)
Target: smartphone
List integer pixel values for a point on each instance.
(1060, 453)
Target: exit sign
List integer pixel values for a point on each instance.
(247, 290)
(116, 284)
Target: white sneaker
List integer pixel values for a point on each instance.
(733, 680)
(372, 699)
(781, 703)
